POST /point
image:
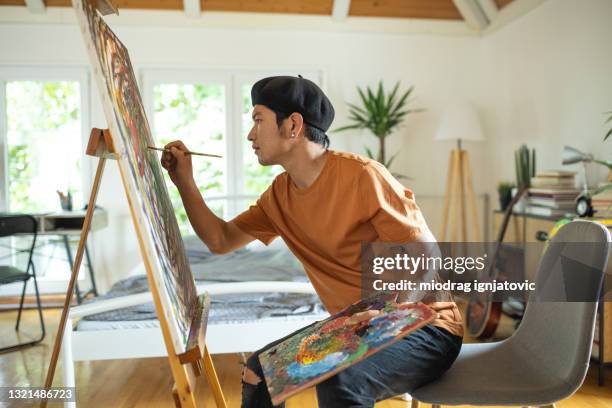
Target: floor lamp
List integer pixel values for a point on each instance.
(459, 123)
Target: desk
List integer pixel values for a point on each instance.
(67, 224)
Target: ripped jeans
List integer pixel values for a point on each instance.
(400, 368)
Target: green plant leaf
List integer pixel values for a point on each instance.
(603, 188)
(517, 168)
(418, 110)
(400, 104)
(365, 101)
(372, 101)
(608, 120)
(380, 101)
(401, 176)
(347, 127)
(606, 163)
(356, 117)
(391, 99)
(357, 108)
(369, 152)
(390, 161)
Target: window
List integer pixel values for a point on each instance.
(256, 177)
(42, 129)
(211, 112)
(195, 113)
(43, 120)
(43, 140)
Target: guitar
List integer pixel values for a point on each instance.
(483, 313)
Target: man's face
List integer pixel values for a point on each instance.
(269, 143)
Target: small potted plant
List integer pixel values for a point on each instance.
(504, 189)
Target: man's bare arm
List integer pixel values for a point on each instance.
(219, 235)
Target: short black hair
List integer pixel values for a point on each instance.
(312, 133)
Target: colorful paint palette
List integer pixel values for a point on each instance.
(331, 345)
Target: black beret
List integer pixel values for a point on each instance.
(289, 94)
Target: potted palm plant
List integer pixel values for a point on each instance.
(381, 112)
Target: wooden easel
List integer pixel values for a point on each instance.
(186, 366)
(459, 179)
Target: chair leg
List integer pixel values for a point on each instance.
(415, 403)
(39, 304)
(23, 291)
(18, 346)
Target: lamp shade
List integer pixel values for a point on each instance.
(571, 156)
(460, 122)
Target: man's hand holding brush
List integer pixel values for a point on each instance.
(176, 159)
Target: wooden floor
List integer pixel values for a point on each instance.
(148, 382)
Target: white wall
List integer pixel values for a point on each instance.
(546, 82)
(543, 80)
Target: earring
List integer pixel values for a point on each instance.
(292, 134)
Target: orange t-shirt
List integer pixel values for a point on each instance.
(353, 200)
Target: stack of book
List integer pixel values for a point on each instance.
(552, 193)
(602, 203)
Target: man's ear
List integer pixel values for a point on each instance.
(297, 124)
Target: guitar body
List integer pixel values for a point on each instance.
(483, 314)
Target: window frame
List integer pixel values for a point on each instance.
(151, 77)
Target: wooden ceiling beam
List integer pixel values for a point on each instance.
(36, 6)
(472, 14)
(414, 9)
(322, 7)
(340, 9)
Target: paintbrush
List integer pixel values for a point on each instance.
(161, 149)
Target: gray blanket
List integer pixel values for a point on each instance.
(239, 266)
(268, 264)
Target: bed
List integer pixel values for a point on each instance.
(262, 291)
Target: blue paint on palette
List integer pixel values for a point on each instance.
(303, 372)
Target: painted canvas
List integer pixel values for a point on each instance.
(141, 173)
(331, 345)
